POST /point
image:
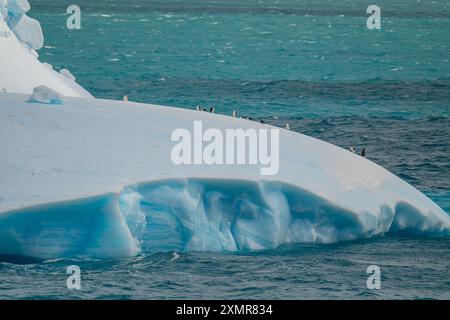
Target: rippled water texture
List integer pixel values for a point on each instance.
(410, 269)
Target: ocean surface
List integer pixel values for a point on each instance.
(312, 64)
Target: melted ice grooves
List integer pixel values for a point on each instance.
(199, 215)
(229, 215)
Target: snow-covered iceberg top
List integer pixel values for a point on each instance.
(21, 71)
(95, 177)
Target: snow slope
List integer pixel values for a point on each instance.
(95, 177)
(20, 69)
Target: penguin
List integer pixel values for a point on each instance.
(198, 108)
(352, 148)
(363, 152)
(287, 126)
(125, 98)
(234, 114)
(211, 110)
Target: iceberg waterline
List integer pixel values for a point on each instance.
(198, 215)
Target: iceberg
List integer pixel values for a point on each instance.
(4, 30)
(67, 74)
(29, 32)
(17, 7)
(21, 71)
(95, 179)
(43, 94)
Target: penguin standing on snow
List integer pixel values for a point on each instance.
(352, 148)
(363, 152)
(234, 114)
(212, 110)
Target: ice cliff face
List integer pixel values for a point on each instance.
(21, 71)
(199, 215)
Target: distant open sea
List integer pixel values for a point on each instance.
(312, 64)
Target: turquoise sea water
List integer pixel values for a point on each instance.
(410, 269)
(313, 64)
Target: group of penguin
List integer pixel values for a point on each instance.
(353, 149)
(235, 115)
